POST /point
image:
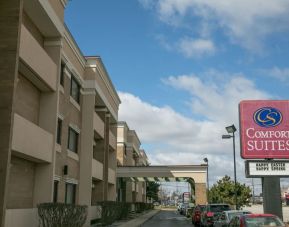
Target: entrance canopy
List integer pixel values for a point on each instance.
(197, 173)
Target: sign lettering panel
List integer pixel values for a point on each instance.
(267, 168)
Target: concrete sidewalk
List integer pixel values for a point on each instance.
(137, 221)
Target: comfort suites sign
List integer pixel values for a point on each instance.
(264, 129)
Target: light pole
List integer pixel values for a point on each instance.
(232, 129)
(206, 160)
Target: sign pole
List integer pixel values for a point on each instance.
(235, 177)
(272, 203)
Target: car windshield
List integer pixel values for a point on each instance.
(234, 214)
(263, 221)
(218, 208)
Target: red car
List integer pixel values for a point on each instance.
(212, 212)
(256, 220)
(196, 215)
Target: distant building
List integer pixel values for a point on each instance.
(130, 154)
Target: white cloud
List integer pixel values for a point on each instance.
(147, 4)
(177, 139)
(245, 22)
(196, 47)
(278, 73)
(217, 102)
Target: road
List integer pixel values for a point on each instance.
(167, 218)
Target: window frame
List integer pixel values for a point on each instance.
(55, 191)
(70, 129)
(73, 81)
(73, 195)
(62, 68)
(59, 131)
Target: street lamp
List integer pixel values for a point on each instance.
(208, 187)
(232, 129)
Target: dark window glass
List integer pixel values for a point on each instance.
(55, 191)
(72, 140)
(70, 192)
(75, 89)
(125, 152)
(218, 208)
(62, 74)
(59, 130)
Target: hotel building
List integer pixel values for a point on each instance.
(58, 115)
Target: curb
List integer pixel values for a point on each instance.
(139, 220)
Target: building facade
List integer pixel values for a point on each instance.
(58, 113)
(130, 154)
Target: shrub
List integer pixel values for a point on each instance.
(61, 215)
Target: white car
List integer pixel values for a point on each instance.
(226, 216)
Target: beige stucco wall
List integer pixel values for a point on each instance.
(139, 192)
(62, 101)
(31, 141)
(38, 59)
(72, 57)
(111, 194)
(97, 170)
(58, 8)
(67, 108)
(111, 176)
(70, 113)
(73, 168)
(95, 72)
(129, 161)
(27, 100)
(22, 218)
(31, 27)
(21, 184)
(120, 154)
(98, 125)
(201, 193)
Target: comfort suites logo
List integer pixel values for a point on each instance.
(267, 117)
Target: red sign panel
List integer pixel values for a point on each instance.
(264, 129)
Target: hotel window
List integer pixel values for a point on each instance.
(62, 74)
(59, 130)
(72, 140)
(70, 192)
(55, 191)
(75, 89)
(125, 151)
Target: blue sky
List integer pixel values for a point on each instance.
(182, 66)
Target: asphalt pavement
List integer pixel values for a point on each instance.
(168, 218)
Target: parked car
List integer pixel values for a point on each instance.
(212, 212)
(183, 208)
(226, 216)
(196, 214)
(156, 203)
(189, 210)
(179, 206)
(256, 220)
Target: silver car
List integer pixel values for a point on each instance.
(226, 216)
